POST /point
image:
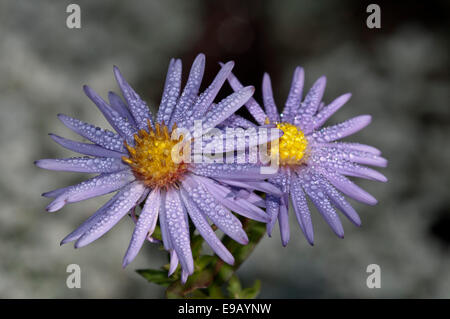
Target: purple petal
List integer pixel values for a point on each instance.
(120, 107)
(301, 209)
(349, 188)
(254, 185)
(88, 223)
(205, 230)
(145, 225)
(190, 91)
(85, 148)
(338, 131)
(229, 171)
(221, 217)
(238, 205)
(340, 202)
(55, 193)
(126, 200)
(171, 92)
(207, 97)
(163, 223)
(329, 110)
(236, 121)
(354, 155)
(101, 137)
(178, 229)
(238, 139)
(252, 106)
(269, 102)
(97, 186)
(227, 106)
(295, 95)
(83, 164)
(173, 262)
(283, 222)
(311, 185)
(332, 160)
(355, 147)
(137, 106)
(309, 106)
(119, 123)
(272, 209)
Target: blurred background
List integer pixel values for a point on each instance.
(399, 74)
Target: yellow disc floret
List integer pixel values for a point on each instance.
(151, 157)
(292, 145)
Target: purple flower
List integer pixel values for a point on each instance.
(137, 163)
(312, 163)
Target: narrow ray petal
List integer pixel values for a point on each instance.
(308, 108)
(348, 187)
(137, 106)
(171, 92)
(178, 229)
(301, 209)
(329, 110)
(85, 148)
(205, 230)
(219, 215)
(254, 185)
(144, 226)
(295, 95)
(354, 155)
(227, 106)
(207, 97)
(83, 164)
(236, 121)
(229, 171)
(355, 146)
(101, 137)
(238, 205)
(119, 123)
(97, 186)
(252, 106)
(269, 102)
(88, 223)
(340, 202)
(191, 89)
(127, 199)
(119, 106)
(272, 209)
(173, 262)
(239, 139)
(283, 222)
(310, 184)
(338, 131)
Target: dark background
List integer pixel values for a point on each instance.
(399, 74)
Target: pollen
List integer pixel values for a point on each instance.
(151, 157)
(292, 145)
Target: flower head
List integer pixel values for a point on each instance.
(312, 162)
(137, 162)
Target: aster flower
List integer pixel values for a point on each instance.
(137, 163)
(312, 163)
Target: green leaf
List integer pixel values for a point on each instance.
(251, 292)
(234, 287)
(158, 277)
(196, 245)
(157, 233)
(198, 280)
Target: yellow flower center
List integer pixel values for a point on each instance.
(292, 145)
(151, 157)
